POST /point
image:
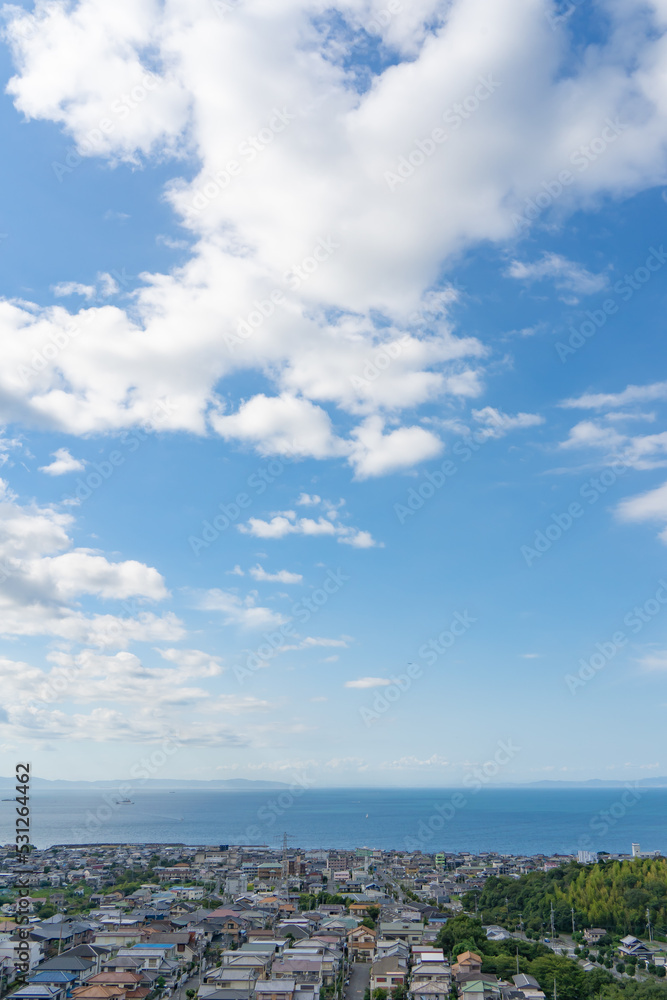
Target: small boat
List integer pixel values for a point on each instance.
(124, 802)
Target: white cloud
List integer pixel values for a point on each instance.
(649, 506)
(368, 682)
(66, 288)
(193, 662)
(654, 662)
(648, 451)
(610, 400)
(63, 463)
(566, 274)
(309, 500)
(281, 425)
(139, 703)
(176, 80)
(286, 523)
(414, 763)
(377, 454)
(497, 424)
(104, 287)
(281, 576)
(42, 574)
(240, 611)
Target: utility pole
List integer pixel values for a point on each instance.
(521, 922)
(553, 932)
(573, 927)
(517, 960)
(648, 924)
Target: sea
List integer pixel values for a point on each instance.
(508, 821)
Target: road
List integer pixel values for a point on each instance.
(360, 979)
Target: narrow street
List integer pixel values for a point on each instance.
(360, 978)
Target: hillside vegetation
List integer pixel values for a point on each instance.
(613, 895)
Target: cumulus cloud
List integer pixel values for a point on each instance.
(496, 424)
(368, 682)
(139, 703)
(650, 506)
(286, 523)
(42, 574)
(243, 611)
(566, 274)
(62, 463)
(616, 400)
(306, 236)
(377, 454)
(281, 576)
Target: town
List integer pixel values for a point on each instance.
(151, 921)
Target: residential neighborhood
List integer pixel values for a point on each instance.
(146, 922)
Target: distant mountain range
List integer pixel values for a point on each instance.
(599, 783)
(228, 784)
(232, 784)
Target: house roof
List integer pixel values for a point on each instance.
(68, 962)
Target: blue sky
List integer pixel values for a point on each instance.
(333, 344)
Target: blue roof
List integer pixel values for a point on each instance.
(142, 947)
(57, 976)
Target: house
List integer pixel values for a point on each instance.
(632, 947)
(387, 973)
(466, 963)
(275, 989)
(594, 934)
(40, 991)
(478, 986)
(429, 991)
(99, 992)
(392, 949)
(81, 968)
(497, 933)
(431, 972)
(236, 978)
(133, 984)
(529, 986)
(301, 970)
(9, 950)
(361, 943)
(184, 943)
(410, 931)
(65, 980)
